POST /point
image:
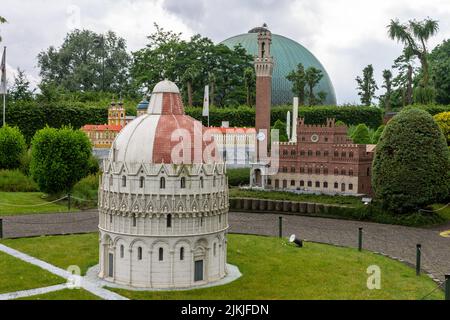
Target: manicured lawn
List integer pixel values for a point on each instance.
(272, 269)
(66, 294)
(61, 251)
(17, 275)
(279, 195)
(18, 203)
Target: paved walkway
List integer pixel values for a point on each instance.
(395, 241)
(86, 284)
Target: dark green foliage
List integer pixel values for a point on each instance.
(367, 86)
(361, 134)
(439, 60)
(12, 147)
(93, 165)
(20, 89)
(424, 95)
(16, 181)
(244, 116)
(238, 177)
(411, 168)
(377, 135)
(60, 158)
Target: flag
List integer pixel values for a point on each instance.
(3, 71)
(206, 102)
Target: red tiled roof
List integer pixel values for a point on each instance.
(102, 127)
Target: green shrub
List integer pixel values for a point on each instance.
(443, 121)
(85, 192)
(377, 135)
(93, 165)
(60, 158)
(281, 127)
(424, 95)
(238, 177)
(12, 147)
(16, 181)
(411, 168)
(361, 134)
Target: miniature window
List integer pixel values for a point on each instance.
(141, 182)
(325, 170)
(368, 171)
(182, 253)
(293, 153)
(325, 184)
(310, 153)
(343, 154)
(336, 154)
(336, 171)
(317, 184)
(309, 183)
(350, 154)
(269, 181)
(169, 221)
(292, 182)
(162, 183)
(111, 180)
(215, 248)
(201, 182)
(350, 172)
(326, 153)
(122, 249)
(336, 185)
(317, 170)
(161, 254)
(183, 183)
(350, 186)
(124, 181)
(302, 183)
(318, 153)
(140, 253)
(302, 170)
(134, 221)
(302, 153)
(343, 172)
(293, 169)
(214, 181)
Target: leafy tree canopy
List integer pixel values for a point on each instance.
(439, 60)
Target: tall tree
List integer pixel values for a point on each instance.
(21, 88)
(167, 56)
(414, 36)
(87, 61)
(403, 82)
(298, 79)
(387, 84)
(250, 82)
(2, 20)
(367, 86)
(312, 78)
(439, 60)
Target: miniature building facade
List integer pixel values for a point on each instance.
(323, 160)
(162, 224)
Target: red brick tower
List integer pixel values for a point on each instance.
(264, 70)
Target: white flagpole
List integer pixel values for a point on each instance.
(206, 103)
(3, 83)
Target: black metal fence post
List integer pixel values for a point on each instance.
(447, 287)
(418, 258)
(280, 227)
(360, 238)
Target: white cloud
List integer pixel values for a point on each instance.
(345, 35)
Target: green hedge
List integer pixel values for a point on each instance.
(30, 117)
(244, 116)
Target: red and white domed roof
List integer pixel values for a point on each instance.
(164, 135)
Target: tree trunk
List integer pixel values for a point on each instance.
(425, 71)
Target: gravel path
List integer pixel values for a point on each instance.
(395, 241)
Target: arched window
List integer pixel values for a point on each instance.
(293, 183)
(343, 154)
(293, 153)
(302, 183)
(214, 181)
(343, 187)
(162, 183)
(336, 154)
(309, 183)
(139, 253)
(161, 254)
(350, 154)
(350, 186)
(325, 184)
(293, 169)
(317, 184)
(169, 221)
(122, 251)
(336, 171)
(336, 185)
(343, 172)
(368, 171)
(317, 170)
(326, 153)
(201, 182)
(134, 221)
(141, 182)
(350, 172)
(182, 253)
(310, 153)
(124, 181)
(201, 221)
(318, 153)
(215, 248)
(325, 170)
(111, 180)
(183, 183)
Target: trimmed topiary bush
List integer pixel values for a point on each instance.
(12, 147)
(411, 168)
(443, 121)
(60, 158)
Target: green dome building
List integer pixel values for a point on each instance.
(287, 54)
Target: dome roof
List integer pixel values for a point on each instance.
(143, 105)
(287, 55)
(164, 135)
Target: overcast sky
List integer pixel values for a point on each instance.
(345, 35)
